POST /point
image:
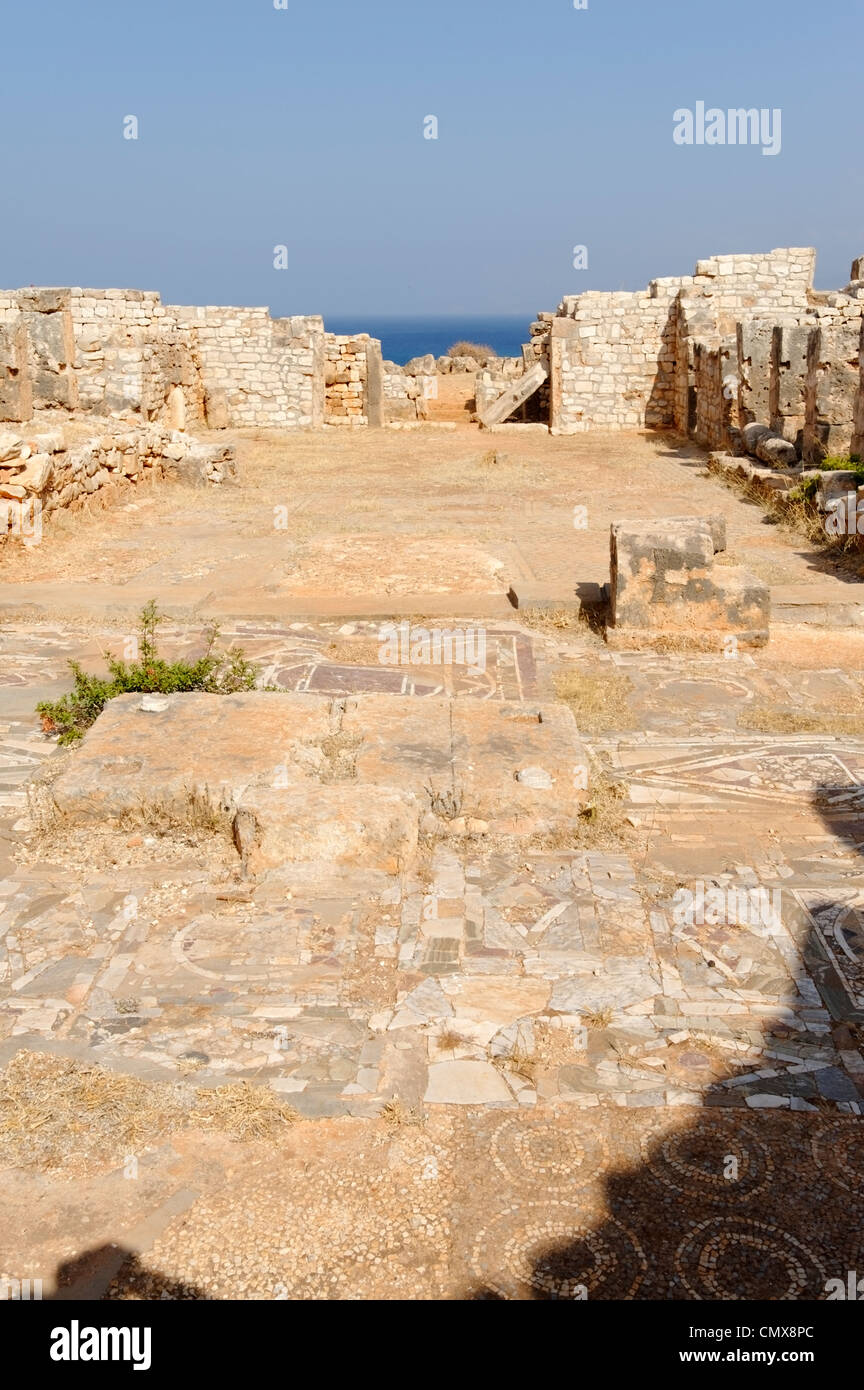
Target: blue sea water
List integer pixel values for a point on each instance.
(404, 338)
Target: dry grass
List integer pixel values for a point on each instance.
(560, 621)
(244, 1112)
(447, 804)
(600, 703)
(596, 1019)
(520, 1062)
(768, 719)
(196, 815)
(340, 751)
(795, 514)
(57, 1113)
(397, 1115)
(481, 352)
(601, 823)
(354, 651)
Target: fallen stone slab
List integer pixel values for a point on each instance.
(466, 1083)
(294, 777)
(498, 410)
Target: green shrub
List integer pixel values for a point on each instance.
(844, 463)
(805, 492)
(220, 673)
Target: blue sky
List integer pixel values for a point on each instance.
(304, 127)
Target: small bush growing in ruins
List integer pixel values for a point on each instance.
(396, 1115)
(479, 351)
(842, 463)
(219, 673)
(447, 803)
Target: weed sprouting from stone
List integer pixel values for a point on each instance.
(217, 673)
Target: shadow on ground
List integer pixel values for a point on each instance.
(738, 1203)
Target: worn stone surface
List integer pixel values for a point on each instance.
(518, 1070)
(256, 759)
(663, 581)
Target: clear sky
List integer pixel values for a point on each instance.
(303, 127)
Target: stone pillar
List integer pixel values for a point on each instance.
(754, 371)
(833, 383)
(48, 320)
(16, 396)
(373, 405)
(788, 381)
(858, 432)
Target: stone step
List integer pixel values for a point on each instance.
(833, 604)
(515, 395)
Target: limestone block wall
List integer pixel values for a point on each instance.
(858, 430)
(115, 334)
(715, 401)
(612, 360)
(627, 360)
(832, 388)
(124, 353)
(255, 370)
(16, 393)
(405, 394)
(788, 376)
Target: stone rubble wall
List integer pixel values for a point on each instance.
(743, 340)
(408, 389)
(612, 360)
(256, 370)
(345, 379)
(39, 474)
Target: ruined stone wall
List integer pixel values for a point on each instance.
(124, 353)
(407, 390)
(345, 378)
(16, 395)
(612, 360)
(628, 360)
(255, 370)
(832, 386)
(40, 474)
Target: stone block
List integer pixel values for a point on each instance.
(771, 448)
(663, 585)
(834, 485)
(295, 777)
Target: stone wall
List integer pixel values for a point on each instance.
(124, 353)
(744, 340)
(39, 474)
(346, 374)
(612, 360)
(408, 389)
(625, 360)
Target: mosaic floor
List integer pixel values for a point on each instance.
(600, 1099)
(509, 977)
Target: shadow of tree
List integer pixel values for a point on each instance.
(110, 1272)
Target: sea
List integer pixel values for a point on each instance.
(404, 338)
